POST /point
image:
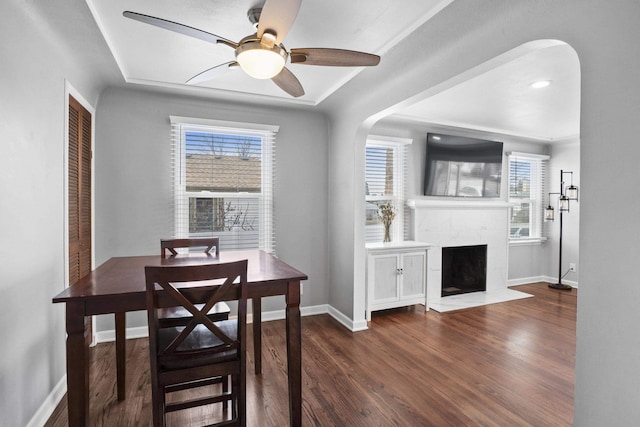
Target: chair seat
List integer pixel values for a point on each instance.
(179, 316)
(194, 352)
(200, 338)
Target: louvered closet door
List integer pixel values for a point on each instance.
(79, 191)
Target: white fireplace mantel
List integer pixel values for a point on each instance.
(463, 222)
(458, 204)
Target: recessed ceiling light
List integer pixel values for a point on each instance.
(540, 84)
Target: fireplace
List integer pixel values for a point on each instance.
(464, 269)
(463, 223)
(455, 223)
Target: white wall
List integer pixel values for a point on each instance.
(34, 65)
(133, 181)
(607, 373)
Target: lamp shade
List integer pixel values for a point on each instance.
(548, 213)
(572, 192)
(259, 61)
(563, 203)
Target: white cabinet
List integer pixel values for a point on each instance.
(396, 275)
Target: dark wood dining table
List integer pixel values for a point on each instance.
(118, 286)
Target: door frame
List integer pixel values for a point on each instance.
(69, 90)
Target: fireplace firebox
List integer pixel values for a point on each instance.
(464, 269)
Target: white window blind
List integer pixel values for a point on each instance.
(223, 182)
(385, 169)
(526, 194)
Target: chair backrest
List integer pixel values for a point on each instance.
(206, 242)
(166, 288)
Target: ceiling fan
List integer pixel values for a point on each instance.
(262, 55)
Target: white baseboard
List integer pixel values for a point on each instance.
(143, 332)
(49, 405)
(548, 279)
(526, 280)
(353, 326)
(347, 322)
(131, 333)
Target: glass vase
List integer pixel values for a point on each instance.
(387, 233)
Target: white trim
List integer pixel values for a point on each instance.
(526, 280)
(527, 241)
(528, 155)
(537, 279)
(130, 333)
(143, 331)
(538, 166)
(223, 123)
(399, 147)
(456, 203)
(50, 403)
(386, 141)
(180, 127)
(353, 326)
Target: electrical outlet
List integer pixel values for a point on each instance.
(572, 266)
(301, 288)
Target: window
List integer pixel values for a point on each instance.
(223, 182)
(526, 194)
(385, 160)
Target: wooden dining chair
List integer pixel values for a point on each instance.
(179, 316)
(170, 245)
(202, 351)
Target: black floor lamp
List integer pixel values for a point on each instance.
(564, 196)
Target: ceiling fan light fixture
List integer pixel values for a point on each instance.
(260, 61)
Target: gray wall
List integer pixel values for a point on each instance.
(607, 372)
(35, 62)
(536, 261)
(45, 42)
(566, 157)
(133, 181)
(525, 260)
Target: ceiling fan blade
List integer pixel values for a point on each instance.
(179, 28)
(288, 83)
(277, 16)
(211, 73)
(333, 57)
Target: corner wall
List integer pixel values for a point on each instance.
(566, 157)
(35, 63)
(134, 182)
(607, 377)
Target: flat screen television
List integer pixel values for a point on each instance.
(462, 167)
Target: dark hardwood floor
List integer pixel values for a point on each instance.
(507, 364)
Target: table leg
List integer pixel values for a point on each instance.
(257, 334)
(121, 353)
(77, 365)
(294, 353)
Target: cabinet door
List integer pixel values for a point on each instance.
(413, 267)
(385, 278)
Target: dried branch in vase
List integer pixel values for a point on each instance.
(386, 213)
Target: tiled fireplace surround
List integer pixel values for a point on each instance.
(458, 222)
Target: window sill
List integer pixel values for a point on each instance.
(527, 241)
